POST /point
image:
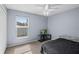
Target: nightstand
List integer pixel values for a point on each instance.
(44, 37)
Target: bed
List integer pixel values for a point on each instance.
(60, 46)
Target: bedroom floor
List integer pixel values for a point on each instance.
(30, 48)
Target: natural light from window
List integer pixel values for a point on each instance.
(22, 26)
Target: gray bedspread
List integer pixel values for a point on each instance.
(60, 46)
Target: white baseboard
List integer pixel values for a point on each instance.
(15, 44)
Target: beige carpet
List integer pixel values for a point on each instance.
(30, 48)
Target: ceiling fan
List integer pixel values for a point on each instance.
(49, 8)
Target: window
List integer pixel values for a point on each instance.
(22, 26)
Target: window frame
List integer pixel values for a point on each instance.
(27, 27)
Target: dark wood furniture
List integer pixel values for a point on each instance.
(44, 37)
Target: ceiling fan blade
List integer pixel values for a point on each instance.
(46, 7)
(50, 10)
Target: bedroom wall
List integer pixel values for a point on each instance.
(66, 23)
(36, 23)
(3, 29)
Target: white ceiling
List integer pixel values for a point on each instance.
(42, 9)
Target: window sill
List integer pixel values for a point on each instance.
(22, 37)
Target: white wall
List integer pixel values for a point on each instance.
(66, 23)
(36, 23)
(3, 29)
